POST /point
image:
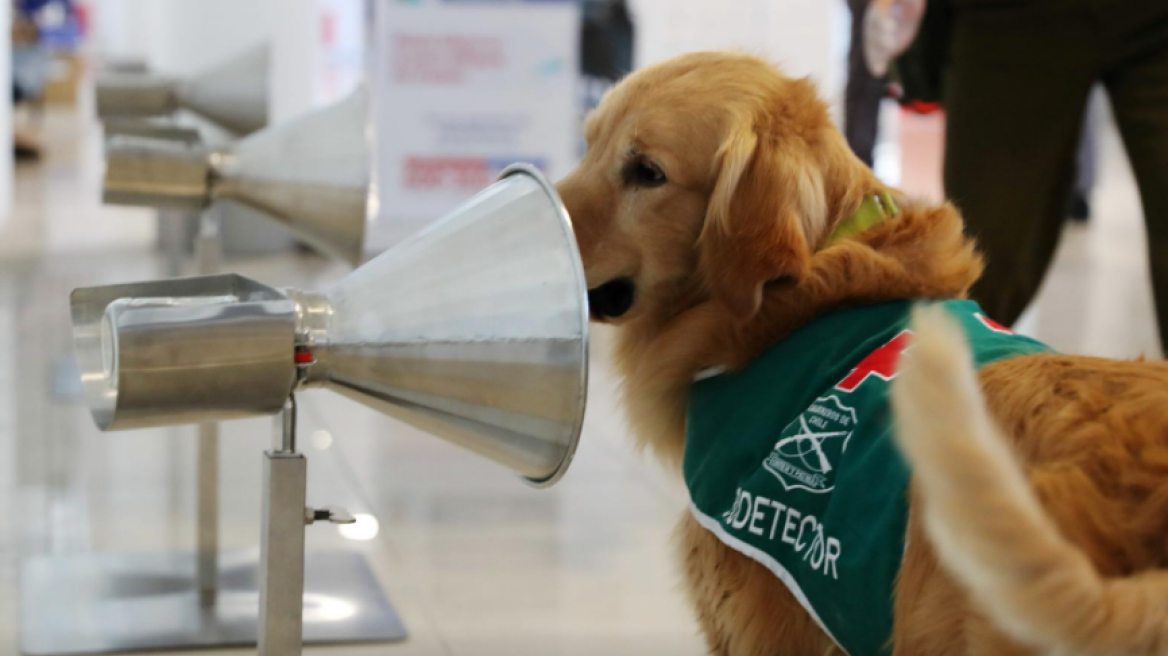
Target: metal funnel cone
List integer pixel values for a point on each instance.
(475, 330)
(311, 174)
(233, 94)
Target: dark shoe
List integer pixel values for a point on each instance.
(1080, 209)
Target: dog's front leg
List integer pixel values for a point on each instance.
(741, 607)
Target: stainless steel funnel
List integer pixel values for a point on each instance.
(311, 174)
(233, 94)
(475, 330)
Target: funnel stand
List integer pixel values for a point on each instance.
(282, 542)
(209, 259)
(207, 513)
(106, 603)
(285, 516)
(209, 242)
(173, 238)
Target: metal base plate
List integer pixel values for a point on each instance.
(103, 603)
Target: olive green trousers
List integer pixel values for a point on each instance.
(1017, 83)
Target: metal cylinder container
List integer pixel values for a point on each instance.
(150, 129)
(154, 173)
(136, 96)
(183, 351)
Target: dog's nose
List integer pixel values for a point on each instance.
(612, 299)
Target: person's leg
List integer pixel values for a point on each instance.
(1138, 86)
(1085, 161)
(863, 93)
(1015, 91)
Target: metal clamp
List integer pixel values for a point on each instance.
(331, 514)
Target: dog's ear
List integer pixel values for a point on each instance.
(766, 210)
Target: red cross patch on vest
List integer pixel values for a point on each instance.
(881, 363)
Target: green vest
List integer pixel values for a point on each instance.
(791, 461)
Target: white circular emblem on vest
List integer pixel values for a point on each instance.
(809, 448)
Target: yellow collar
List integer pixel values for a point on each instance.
(875, 209)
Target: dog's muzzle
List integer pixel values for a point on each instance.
(612, 299)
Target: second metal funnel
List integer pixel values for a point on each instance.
(310, 174)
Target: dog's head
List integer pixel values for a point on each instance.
(707, 177)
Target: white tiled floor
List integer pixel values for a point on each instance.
(476, 563)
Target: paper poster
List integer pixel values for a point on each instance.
(461, 90)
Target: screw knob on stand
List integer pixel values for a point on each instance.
(332, 514)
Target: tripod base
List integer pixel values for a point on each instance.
(103, 603)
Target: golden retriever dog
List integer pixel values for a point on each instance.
(1038, 518)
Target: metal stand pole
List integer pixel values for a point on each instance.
(281, 626)
(209, 260)
(282, 542)
(207, 548)
(105, 603)
(171, 226)
(209, 242)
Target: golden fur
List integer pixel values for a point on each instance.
(728, 256)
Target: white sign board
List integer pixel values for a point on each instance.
(461, 90)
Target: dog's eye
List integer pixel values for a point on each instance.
(643, 173)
